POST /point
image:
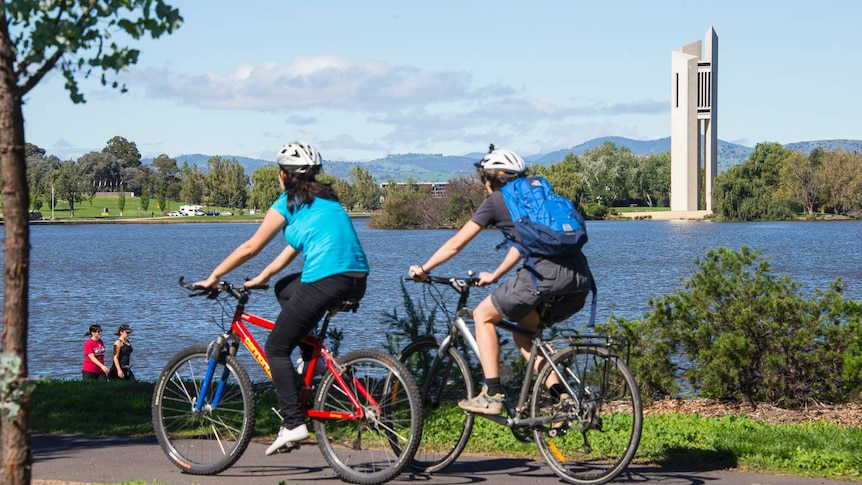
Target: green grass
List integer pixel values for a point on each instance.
(816, 449)
(90, 209)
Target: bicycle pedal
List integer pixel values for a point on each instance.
(288, 448)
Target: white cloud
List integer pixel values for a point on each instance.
(315, 83)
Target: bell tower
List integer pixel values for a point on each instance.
(694, 124)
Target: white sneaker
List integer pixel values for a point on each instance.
(287, 437)
(319, 367)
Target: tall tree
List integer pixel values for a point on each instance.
(126, 151)
(167, 168)
(71, 185)
(101, 169)
(749, 191)
(264, 187)
(226, 182)
(565, 176)
(842, 175)
(365, 190)
(193, 183)
(37, 37)
(800, 178)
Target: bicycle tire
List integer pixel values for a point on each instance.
(377, 447)
(441, 392)
(207, 442)
(603, 431)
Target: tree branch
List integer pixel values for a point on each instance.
(52, 61)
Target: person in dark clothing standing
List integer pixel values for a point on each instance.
(121, 369)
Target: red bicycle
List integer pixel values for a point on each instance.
(366, 409)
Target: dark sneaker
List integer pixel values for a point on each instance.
(483, 403)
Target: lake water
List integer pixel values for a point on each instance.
(127, 273)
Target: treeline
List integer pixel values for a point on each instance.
(774, 183)
(118, 168)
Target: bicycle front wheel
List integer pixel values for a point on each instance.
(592, 436)
(375, 447)
(209, 441)
(443, 379)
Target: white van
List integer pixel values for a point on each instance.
(191, 210)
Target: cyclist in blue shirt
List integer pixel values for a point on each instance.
(334, 269)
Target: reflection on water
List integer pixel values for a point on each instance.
(127, 273)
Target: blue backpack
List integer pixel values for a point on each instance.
(549, 224)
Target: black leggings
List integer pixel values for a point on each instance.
(302, 306)
(93, 376)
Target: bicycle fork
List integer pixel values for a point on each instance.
(214, 354)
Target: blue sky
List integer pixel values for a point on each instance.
(363, 79)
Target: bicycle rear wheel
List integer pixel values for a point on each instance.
(442, 387)
(377, 446)
(594, 435)
(209, 441)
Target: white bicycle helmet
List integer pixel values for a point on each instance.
(298, 157)
(505, 160)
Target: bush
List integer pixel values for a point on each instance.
(738, 332)
(594, 210)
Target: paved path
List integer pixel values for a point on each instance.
(102, 459)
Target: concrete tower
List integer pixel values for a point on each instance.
(694, 124)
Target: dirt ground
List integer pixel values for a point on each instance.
(842, 414)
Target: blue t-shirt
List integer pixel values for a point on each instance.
(324, 234)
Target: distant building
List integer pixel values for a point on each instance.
(438, 189)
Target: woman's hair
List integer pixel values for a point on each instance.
(302, 188)
(497, 178)
(94, 328)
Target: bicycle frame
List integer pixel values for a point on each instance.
(539, 348)
(239, 332)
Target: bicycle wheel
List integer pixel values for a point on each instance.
(209, 441)
(377, 446)
(595, 434)
(441, 387)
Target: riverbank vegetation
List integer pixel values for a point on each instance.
(774, 183)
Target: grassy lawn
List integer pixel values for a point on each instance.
(94, 209)
(816, 449)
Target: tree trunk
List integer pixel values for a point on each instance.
(15, 451)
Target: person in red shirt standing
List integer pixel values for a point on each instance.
(94, 367)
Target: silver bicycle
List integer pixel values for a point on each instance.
(587, 434)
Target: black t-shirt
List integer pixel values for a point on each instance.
(493, 212)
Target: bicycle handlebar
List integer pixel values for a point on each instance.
(459, 284)
(237, 291)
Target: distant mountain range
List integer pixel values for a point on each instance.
(427, 167)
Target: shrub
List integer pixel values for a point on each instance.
(738, 332)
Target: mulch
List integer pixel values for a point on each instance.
(841, 414)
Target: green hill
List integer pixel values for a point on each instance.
(435, 167)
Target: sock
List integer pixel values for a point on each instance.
(556, 390)
(494, 386)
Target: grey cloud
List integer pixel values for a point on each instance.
(507, 116)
